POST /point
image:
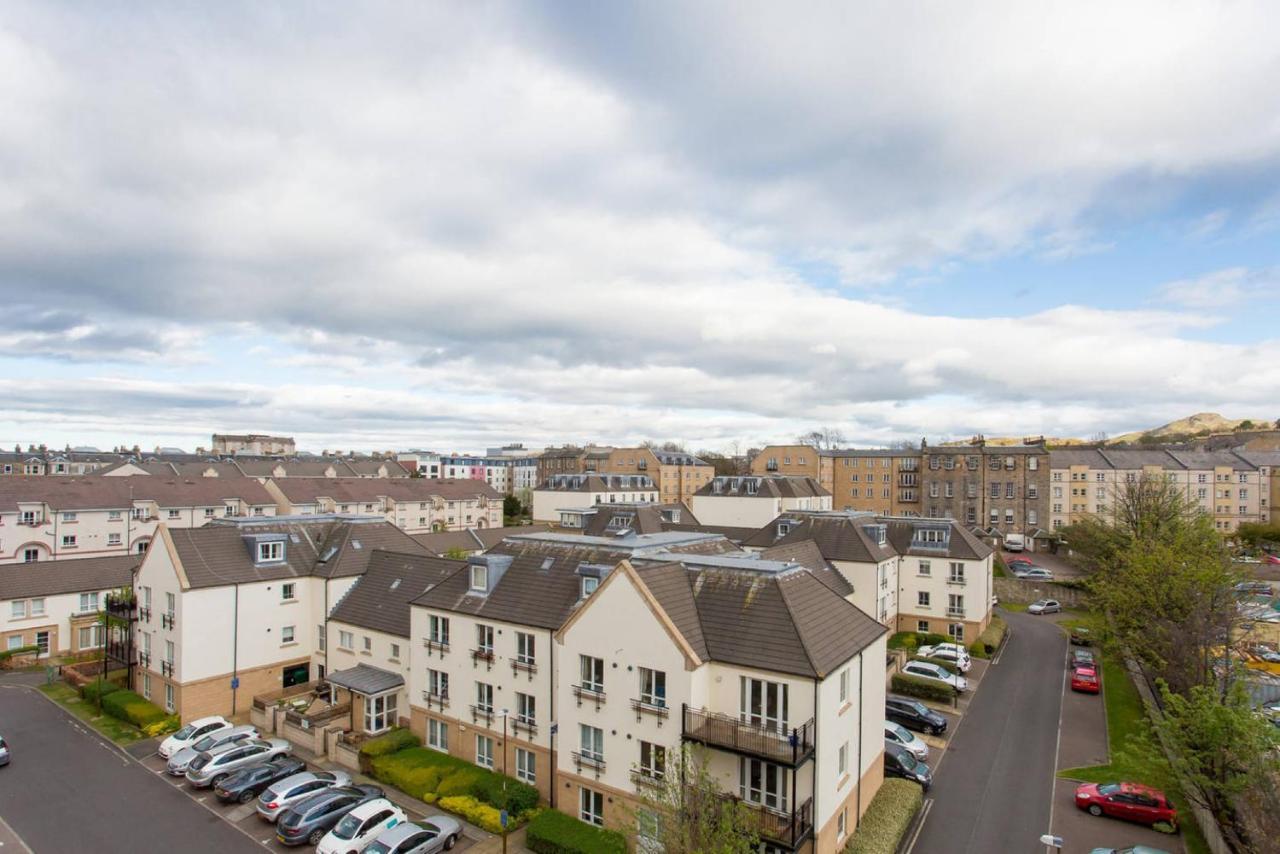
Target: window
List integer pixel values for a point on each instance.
(484, 697)
(90, 637)
(208, 512)
(763, 783)
(479, 578)
(484, 751)
(68, 541)
(37, 607)
(168, 651)
(526, 766)
(842, 760)
(268, 552)
(379, 713)
(320, 637)
(653, 687)
(168, 698)
(438, 630)
(146, 685)
(113, 515)
(844, 685)
(18, 609)
(395, 652)
(526, 709)
(437, 683)
(1244, 493)
(286, 634)
(484, 638)
(437, 734)
(995, 490)
(1033, 517)
(591, 806)
(524, 648)
(957, 572)
(762, 703)
(591, 740)
(113, 539)
(922, 598)
(653, 760)
(30, 555)
(288, 590)
(592, 672)
(955, 605)
(346, 640)
(175, 514)
(367, 643)
(15, 642)
(956, 631)
(589, 585)
(88, 602)
(922, 626)
(68, 517)
(925, 568)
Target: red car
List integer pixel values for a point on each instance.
(1085, 679)
(1015, 561)
(1129, 801)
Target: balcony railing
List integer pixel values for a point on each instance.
(524, 725)
(644, 707)
(955, 612)
(788, 829)
(144, 614)
(588, 760)
(788, 746)
(590, 694)
(482, 713)
(166, 668)
(432, 646)
(441, 699)
(123, 608)
(485, 655)
(144, 659)
(167, 621)
(956, 579)
(528, 667)
(647, 777)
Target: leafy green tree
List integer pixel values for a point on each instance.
(456, 553)
(511, 508)
(686, 811)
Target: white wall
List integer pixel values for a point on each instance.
(740, 511)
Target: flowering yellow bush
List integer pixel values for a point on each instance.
(481, 815)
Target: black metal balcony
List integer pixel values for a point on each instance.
(524, 725)
(121, 607)
(481, 713)
(588, 760)
(644, 777)
(441, 700)
(788, 829)
(166, 668)
(432, 646)
(167, 621)
(529, 667)
(485, 655)
(589, 694)
(642, 707)
(784, 746)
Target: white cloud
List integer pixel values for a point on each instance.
(1223, 289)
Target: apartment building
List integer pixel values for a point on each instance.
(254, 444)
(998, 489)
(1225, 485)
(912, 574)
(872, 480)
(240, 607)
(55, 517)
(754, 501)
(416, 505)
(1268, 465)
(678, 474)
(563, 498)
(789, 460)
(568, 459)
(367, 635)
(420, 463)
(55, 605)
(19, 464)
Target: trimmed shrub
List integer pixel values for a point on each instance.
(432, 776)
(914, 686)
(553, 832)
(514, 796)
(128, 706)
(170, 724)
(484, 816)
(978, 649)
(391, 742)
(415, 771)
(91, 691)
(902, 640)
(461, 782)
(887, 818)
(7, 654)
(994, 634)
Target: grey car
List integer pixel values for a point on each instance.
(1044, 606)
(278, 797)
(4, 751)
(438, 833)
(179, 761)
(210, 768)
(307, 822)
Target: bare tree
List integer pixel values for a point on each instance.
(822, 438)
(684, 811)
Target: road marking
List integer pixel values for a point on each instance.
(1057, 749)
(14, 834)
(1008, 635)
(924, 814)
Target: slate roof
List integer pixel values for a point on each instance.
(838, 536)
(778, 486)
(367, 489)
(365, 679)
(733, 534)
(94, 492)
(592, 482)
(643, 518)
(808, 555)
(474, 539)
(962, 544)
(54, 577)
(379, 600)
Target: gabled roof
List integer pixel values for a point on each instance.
(367, 489)
(95, 492)
(732, 534)
(808, 555)
(366, 679)
(838, 536)
(54, 577)
(642, 518)
(756, 486)
(474, 539)
(379, 600)
(962, 544)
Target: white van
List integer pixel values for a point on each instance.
(1014, 542)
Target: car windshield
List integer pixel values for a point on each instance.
(898, 732)
(347, 828)
(1108, 788)
(185, 733)
(907, 761)
(205, 743)
(199, 762)
(377, 848)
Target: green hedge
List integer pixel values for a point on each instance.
(428, 775)
(887, 818)
(914, 640)
(391, 742)
(22, 650)
(131, 707)
(914, 686)
(553, 832)
(91, 691)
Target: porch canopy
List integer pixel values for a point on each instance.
(366, 680)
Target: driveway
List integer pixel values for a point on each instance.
(68, 789)
(994, 783)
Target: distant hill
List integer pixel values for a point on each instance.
(1198, 425)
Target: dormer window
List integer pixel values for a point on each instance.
(784, 528)
(589, 585)
(479, 578)
(270, 552)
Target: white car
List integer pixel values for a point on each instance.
(190, 734)
(360, 827)
(959, 658)
(903, 737)
(935, 673)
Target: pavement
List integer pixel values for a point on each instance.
(993, 785)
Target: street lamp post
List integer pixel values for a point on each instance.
(505, 713)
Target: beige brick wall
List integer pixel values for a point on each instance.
(462, 744)
(826, 836)
(213, 696)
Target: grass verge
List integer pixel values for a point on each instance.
(1015, 607)
(1126, 718)
(117, 730)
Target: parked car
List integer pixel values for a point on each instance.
(1131, 849)
(935, 673)
(901, 736)
(1081, 658)
(179, 761)
(1085, 679)
(1018, 561)
(914, 714)
(900, 762)
(209, 769)
(308, 821)
(1014, 542)
(190, 734)
(1253, 588)
(1044, 606)
(438, 833)
(4, 751)
(281, 795)
(1034, 573)
(247, 783)
(360, 826)
(959, 658)
(1129, 801)
(1081, 636)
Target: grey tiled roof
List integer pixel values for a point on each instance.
(838, 537)
(379, 600)
(641, 518)
(776, 486)
(361, 489)
(808, 555)
(54, 577)
(365, 679)
(94, 492)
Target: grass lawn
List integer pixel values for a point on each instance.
(1016, 607)
(117, 730)
(1125, 718)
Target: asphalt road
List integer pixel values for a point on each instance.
(67, 789)
(994, 786)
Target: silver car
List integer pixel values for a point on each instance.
(281, 795)
(4, 751)
(903, 737)
(1045, 606)
(438, 833)
(935, 673)
(179, 761)
(209, 768)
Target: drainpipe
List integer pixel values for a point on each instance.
(857, 809)
(813, 815)
(235, 648)
(552, 646)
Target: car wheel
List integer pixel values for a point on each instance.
(449, 843)
(245, 796)
(315, 837)
(1094, 809)
(217, 780)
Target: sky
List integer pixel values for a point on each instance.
(453, 226)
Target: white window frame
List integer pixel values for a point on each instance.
(289, 591)
(591, 806)
(437, 735)
(484, 751)
(287, 634)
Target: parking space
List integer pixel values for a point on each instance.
(244, 817)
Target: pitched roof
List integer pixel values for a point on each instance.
(54, 577)
(962, 543)
(640, 517)
(400, 489)
(591, 482)
(474, 539)
(808, 555)
(366, 679)
(754, 486)
(379, 600)
(732, 534)
(838, 536)
(95, 492)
